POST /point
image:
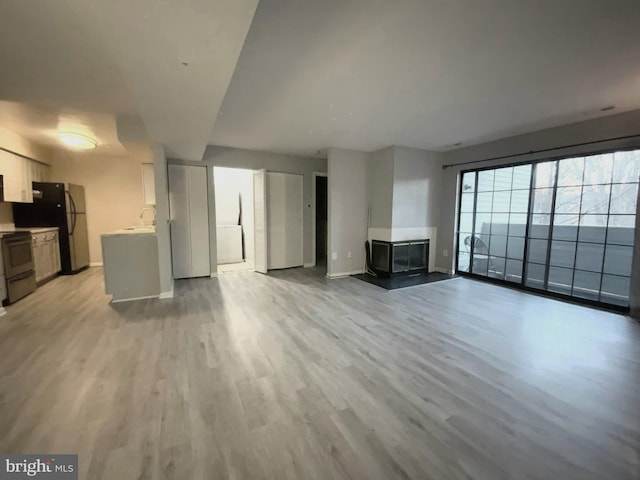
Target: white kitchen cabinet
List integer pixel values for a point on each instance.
(46, 254)
(18, 174)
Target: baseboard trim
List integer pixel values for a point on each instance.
(343, 274)
(96, 264)
(213, 275)
(132, 299)
(308, 265)
(441, 270)
(165, 295)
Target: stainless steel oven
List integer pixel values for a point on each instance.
(18, 265)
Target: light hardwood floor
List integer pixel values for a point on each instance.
(292, 376)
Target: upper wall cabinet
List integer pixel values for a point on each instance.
(18, 173)
(148, 184)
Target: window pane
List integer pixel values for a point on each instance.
(480, 257)
(498, 246)
(570, 171)
(589, 257)
(485, 181)
(539, 227)
(621, 229)
(537, 251)
(545, 174)
(497, 267)
(565, 227)
(484, 202)
(592, 228)
(586, 285)
(595, 199)
(466, 222)
(568, 200)
(562, 254)
(560, 280)
(626, 166)
(500, 223)
(521, 177)
(517, 224)
(466, 204)
(501, 201)
(535, 275)
(624, 198)
(615, 290)
(542, 199)
(464, 247)
(468, 182)
(513, 271)
(617, 260)
(503, 178)
(515, 248)
(483, 223)
(520, 201)
(598, 168)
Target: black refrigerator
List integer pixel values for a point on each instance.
(59, 205)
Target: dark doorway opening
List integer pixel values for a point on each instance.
(321, 221)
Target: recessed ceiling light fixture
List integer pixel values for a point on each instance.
(606, 109)
(77, 140)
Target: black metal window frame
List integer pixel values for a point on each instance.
(521, 285)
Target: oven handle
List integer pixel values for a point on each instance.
(17, 239)
(20, 276)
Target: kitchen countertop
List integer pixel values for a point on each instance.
(36, 230)
(32, 231)
(148, 230)
(7, 228)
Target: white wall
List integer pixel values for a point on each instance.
(113, 190)
(417, 175)
(380, 188)
(348, 205)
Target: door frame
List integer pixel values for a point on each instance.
(315, 175)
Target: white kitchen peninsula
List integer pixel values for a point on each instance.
(130, 258)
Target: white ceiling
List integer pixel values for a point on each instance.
(365, 74)
(99, 61)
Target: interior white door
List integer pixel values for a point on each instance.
(199, 221)
(180, 221)
(285, 227)
(188, 206)
(260, 220)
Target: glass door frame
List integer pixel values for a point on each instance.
(521, 285)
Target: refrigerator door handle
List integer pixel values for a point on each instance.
(73, 213)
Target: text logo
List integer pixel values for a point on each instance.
(52, 467)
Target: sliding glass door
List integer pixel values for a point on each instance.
(562, 226)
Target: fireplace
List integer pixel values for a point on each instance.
(400, 258)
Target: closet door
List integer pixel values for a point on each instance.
(188, 204)
(180, 221)
(293, 220)
(260, 220)
(284, 207)
(199, 221)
